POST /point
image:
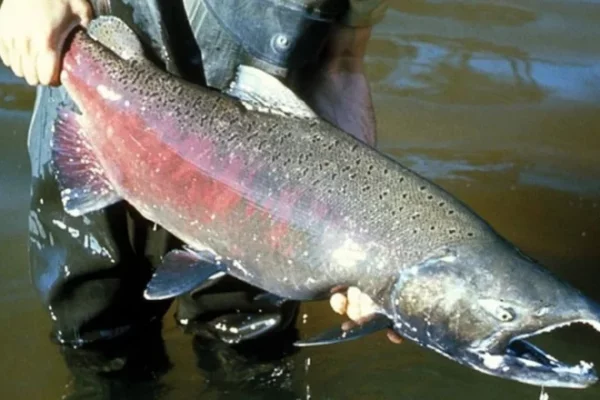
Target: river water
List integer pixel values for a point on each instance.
(497, 101)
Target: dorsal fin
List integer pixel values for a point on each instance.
(115, 34)
(259, 91)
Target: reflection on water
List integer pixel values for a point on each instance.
(496, 101)
(440, 69)
(485, 54)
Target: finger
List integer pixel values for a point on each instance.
(83, 10)
(47, 68)
(339, 303)
(15, 62)
(367, 306)
(394, 337)
(4, 54)
(29, 67)
(353, 311)
(353, 295)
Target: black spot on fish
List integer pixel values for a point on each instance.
(404, 195)
(385, 171)
(429, 197)
(332, 145)
(452, 231)
(441, 204)
(450, 212)
(284, 137)
(422, 188)
(470, 234)
(352, 176)
(366, 188)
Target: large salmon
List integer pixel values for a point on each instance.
(262, 189)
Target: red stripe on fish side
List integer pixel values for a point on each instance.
(155, 174)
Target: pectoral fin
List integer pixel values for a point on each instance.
(339, 335)
(181, 272)
(83, 185)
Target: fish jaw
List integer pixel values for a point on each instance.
(477, 303)
(526, 363)
(520, 361)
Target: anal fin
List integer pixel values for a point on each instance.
(339, 335)
(83, 185)
(181, 272)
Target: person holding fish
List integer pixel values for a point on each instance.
(90, 271)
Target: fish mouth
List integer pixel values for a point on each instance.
(523, 362)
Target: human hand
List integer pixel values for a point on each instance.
(32, 34)
(358, 307)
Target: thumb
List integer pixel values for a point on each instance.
(83, 10)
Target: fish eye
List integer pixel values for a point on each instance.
(498, 310)
(505, 314)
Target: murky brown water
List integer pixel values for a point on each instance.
(499, 102)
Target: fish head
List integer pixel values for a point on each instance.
(475, 303)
